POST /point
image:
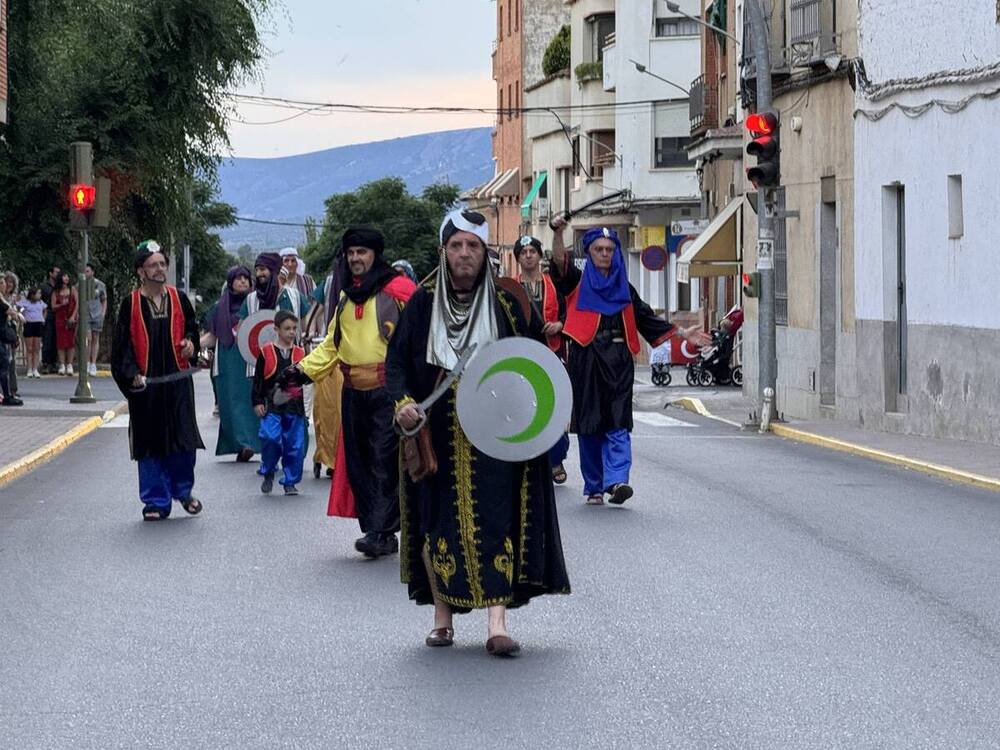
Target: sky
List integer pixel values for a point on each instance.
(399, 52)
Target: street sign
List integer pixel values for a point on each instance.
(514, 399)
(689, 226)
(654, 258)
(254, 332)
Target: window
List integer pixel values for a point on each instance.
(508, 15)
(956, 219)
(510, 102)
(600, 27)
(500, 108)
(517, 99)
(500, 23)
(671, 152)
(667, 27)
(602, 152)
(576, 156)
(517, 15)
(671, 132)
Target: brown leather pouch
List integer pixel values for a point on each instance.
(419, 459)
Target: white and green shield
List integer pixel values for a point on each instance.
(514, 399)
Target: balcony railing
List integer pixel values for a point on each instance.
(806, 23)
(696, 103)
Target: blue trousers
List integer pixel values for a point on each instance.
(163, 480)
(283, 436)
(559, 451)
(605, 460)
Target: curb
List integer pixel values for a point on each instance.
(695, 405)
(925, 467)
(47, 452)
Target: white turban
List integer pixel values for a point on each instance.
(301, 269)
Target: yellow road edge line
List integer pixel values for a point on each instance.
(925, 467)
(36, 458)
(695, 405)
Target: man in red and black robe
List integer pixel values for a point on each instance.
(156, 335)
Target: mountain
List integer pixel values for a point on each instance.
(293, 188)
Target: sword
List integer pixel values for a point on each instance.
(171, 378)
(441, 389)
(567, 215)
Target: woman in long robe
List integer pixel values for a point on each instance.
(479, 533)
(238, 425)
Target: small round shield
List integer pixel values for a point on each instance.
(254, 332)
(514, 399)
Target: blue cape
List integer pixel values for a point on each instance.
(607, 295)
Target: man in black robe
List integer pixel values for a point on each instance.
(604, 319)
(156, 340)
(479, 533)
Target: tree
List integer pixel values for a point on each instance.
(145, 83)
(410, 223)
(557, 55)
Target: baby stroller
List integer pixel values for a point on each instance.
(715, 364)
(659, 363)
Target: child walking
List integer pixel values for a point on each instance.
(282, 425)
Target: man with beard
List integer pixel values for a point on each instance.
(270, 294)
(479, 533)
(156, 339)
(550, 308)
(366, 477)
(50, 357)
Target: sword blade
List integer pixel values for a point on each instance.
(446, 383)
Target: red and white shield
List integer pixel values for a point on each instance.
(254, 332)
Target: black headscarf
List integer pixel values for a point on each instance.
(360, 289)
(268, 296)
(227, 312)
(524, 242)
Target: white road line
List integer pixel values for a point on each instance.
(659, 420)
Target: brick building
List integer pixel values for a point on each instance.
(3, 61)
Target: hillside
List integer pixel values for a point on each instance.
(295, 187)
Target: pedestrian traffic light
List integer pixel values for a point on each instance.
(82, 197)
(763, 127)
(751, 284)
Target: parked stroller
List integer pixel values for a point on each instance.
(715, 365)
(659, 364)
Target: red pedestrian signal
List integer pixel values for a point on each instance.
(763, 127)
(751, 284)
(82, 197)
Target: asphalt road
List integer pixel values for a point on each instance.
(755, 594)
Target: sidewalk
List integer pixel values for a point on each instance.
(976, 464)
(48, 423)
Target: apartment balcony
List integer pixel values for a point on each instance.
(811, 38)
(703, 105)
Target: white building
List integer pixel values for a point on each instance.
(650, 139)
(926, 224)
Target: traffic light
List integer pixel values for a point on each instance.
(82, 197)
(763, 127)
(751, 284)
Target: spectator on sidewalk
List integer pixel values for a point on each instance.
(9, 284)
(97, 309)
(50, 354)
(34, 329)
(9, 317)
(64, 308)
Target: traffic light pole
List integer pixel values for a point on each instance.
(767, 367)
(83, 394)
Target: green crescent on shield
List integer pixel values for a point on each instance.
(545, 394)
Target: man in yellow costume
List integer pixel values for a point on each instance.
(366, 476)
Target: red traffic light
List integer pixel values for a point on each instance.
(746, 279)
(82, 197)
(762, 123)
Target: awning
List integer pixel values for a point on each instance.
(715, 252)
(484, 191)
(532, 194)
(507, 184)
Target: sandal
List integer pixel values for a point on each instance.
(192, 505)
(153, 513)
(559, 474)
(595, 499)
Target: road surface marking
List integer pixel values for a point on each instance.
(660, 420)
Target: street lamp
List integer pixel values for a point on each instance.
(643, 69)
(675, 8)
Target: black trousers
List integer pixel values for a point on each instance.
(50, 355)
(6, 367)
(372, 450)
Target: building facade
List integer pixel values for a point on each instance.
(926, 225)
